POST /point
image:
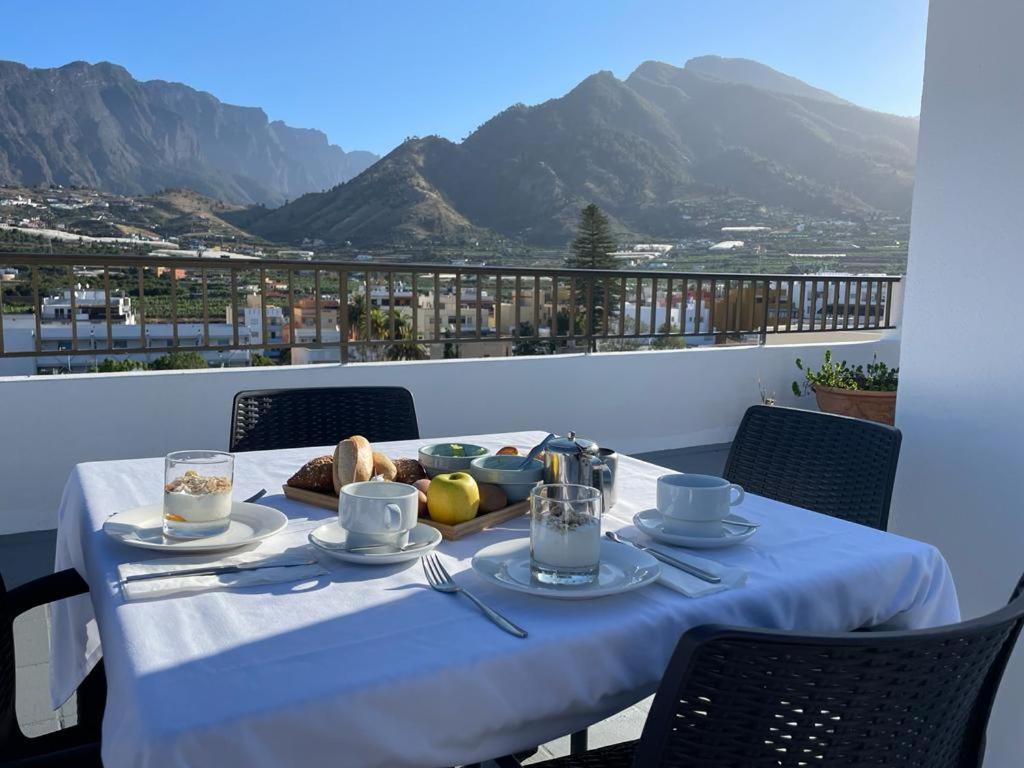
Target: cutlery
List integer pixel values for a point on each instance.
(441, 580)
(388, 549)
(739, 524)
(682, 565)
(256, 496)
(213, 570)
(535, 451)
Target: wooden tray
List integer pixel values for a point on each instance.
(451, 532)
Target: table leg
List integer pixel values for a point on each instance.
(578, 742)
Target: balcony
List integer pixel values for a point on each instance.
(677, 407)
(959, 405)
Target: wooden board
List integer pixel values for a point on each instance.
(450, 532)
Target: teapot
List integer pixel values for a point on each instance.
(577, 461)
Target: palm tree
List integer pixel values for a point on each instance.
(407, 349)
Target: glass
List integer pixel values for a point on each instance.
(565, 534)
(197, 493)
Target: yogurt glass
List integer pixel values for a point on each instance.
(197, 493)
(565, 534)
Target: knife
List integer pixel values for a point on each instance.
(682, 565)
(212, 570)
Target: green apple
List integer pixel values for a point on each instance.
(453, 498)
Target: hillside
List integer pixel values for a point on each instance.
(94, 125)
(644, 149)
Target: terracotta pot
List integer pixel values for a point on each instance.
(873, 406)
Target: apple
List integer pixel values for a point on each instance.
(453, 498)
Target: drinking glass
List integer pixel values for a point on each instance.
(197, 493)
(565, 534)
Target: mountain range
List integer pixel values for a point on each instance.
(94, 125)
(657, 151)
(644, 149)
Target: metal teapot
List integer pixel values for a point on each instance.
(577, 461)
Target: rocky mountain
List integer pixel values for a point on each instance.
(94, 125)
(643, 148)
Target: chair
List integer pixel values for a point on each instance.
(267, 419)
(78, 745)
(742, 698)
(835, 465)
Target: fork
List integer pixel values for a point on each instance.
(441, 580)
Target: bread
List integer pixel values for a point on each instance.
(383, 466)
(316, 475)
(408, 471)
(353, 462)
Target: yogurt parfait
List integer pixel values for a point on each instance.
(565, 534)
(197, 493)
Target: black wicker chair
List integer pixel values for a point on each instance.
(267, 419)
(740, 698)
(835, 465)
(78, 745)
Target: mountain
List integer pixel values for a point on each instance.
(644, 149)
(755, 73)
(94, 125)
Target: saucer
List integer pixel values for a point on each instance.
(330, 539)
(143, 527)
(651, 522)
(507, 564)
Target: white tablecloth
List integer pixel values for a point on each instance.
(368, 667)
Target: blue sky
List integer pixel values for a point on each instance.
(371, 73)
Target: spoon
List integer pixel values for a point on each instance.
(535, 451)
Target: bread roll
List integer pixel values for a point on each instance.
(316, 475)
(408, 471)
(383, 466)
(353, 462)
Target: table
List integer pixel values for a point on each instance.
(368, 667)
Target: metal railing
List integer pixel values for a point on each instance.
(362, 309)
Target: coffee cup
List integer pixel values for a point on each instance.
(378, 513)
(695, 505)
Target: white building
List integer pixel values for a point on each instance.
(90, 306)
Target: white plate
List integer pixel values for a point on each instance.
(507, 564)
(330, 538)
(143, 527)
(651, 522)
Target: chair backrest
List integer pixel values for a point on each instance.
(268, 419)
(835, 465)
(9, 730)
(753, 698)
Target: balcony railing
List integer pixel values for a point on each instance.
(362, 310)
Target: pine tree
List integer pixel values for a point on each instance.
(592, 249)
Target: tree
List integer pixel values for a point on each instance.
(259, 360)
(531, 346)
(668, 342)
(177, 361)
(406, 348)
(109, 365)
(592, 249)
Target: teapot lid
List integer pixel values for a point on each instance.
(570, 444)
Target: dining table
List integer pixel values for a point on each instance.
(368, 666)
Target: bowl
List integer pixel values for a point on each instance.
(503, 471)
(439, 458)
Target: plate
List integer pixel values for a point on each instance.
(651, 522)
(330, 539)
(143, 527)
(507, 564)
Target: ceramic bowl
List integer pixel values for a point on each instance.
(503, 471)
(439, 458)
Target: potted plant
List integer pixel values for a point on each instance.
(866, 392)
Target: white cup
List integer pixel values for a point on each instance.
(378, 513)
(695, 505)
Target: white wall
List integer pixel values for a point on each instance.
(961, 404)
(637, 401)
